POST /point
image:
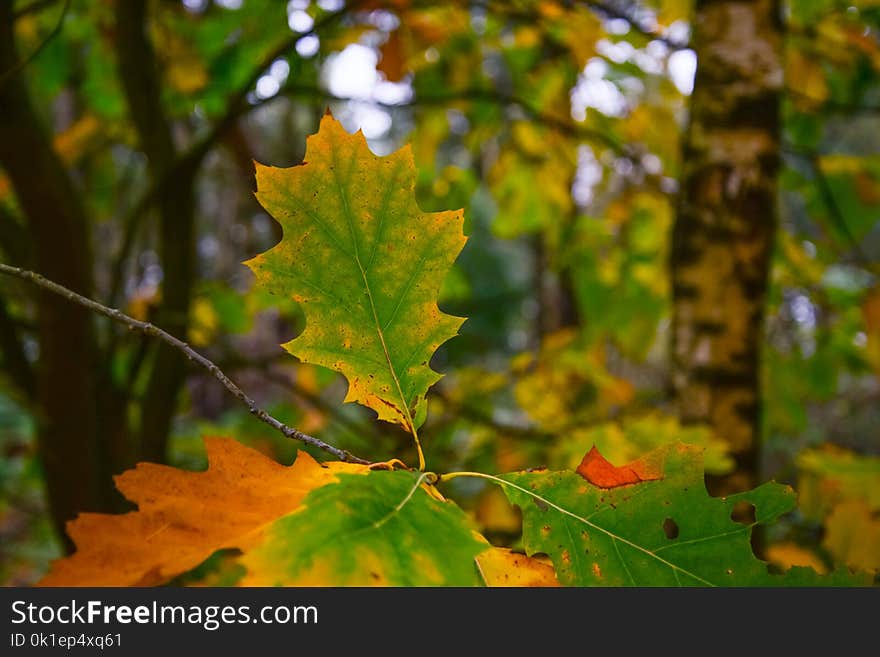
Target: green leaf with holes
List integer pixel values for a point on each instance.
(667, 531)
(383, 528)
(366, 265)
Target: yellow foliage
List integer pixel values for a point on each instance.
(566, 382)
(314, 419)
(581, 29)
(203, 323)
(140, 304)
(785, 555)
(503, 567)
(848, 165)
(675, 10)
(183, 67)
(805, 74)
(852, 535)
(531, 180)
(494, 512)
(806, 268)
(629, 439)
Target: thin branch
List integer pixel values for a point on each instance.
(34, 7)
(149, 329)
(131, 222)
(27, 60)
(265, 367)
(478, 416)
(568, 128)
(831, 105)
(649, 31)
(316, 402)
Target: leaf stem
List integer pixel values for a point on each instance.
(154, 331)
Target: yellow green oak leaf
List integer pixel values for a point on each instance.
(378, 529)
(651, 523)
(365, 264)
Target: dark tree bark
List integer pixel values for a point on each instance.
(725, 225)
(76, 470)
(176, 205)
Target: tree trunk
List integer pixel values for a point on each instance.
(76, 472)
(176, 204)
(726, 220)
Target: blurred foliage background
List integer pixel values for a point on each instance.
(581, 145)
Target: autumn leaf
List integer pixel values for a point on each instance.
(788, 554)
(599, 472)
(366, 264)
(632, 436)
(382, 529)
(184, 517)
(664, 532)
(503, 567)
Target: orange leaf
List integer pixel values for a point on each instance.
(599, 472)
(184, 517)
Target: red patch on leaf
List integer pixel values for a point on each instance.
(596, 469)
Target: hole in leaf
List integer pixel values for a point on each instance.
(670, 528)
(743, 513)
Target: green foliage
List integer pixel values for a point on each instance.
(569, 205)
(366, 264)
(668, 532)
(650, 523)
(382, 529)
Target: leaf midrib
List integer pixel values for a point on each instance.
(377, 325)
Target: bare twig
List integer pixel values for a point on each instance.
(647, 29)
(33, 8)
(478, 416)
(265, 367)
(154, 331)
(27, 60)
(316, 402)
(568, 128)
